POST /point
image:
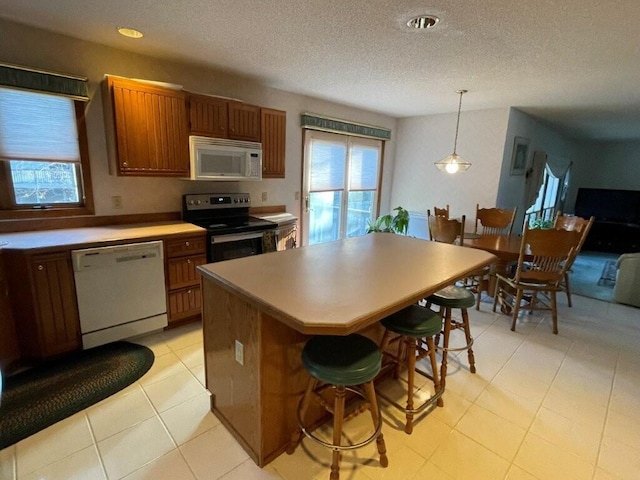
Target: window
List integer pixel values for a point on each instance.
(550, 196)
(44, 164)
(341, 188)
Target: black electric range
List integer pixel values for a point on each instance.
(231, 231)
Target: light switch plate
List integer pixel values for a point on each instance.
(239, 353)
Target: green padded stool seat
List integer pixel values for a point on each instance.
(447, 299)
(453, 297)
(349, 360)
(416, 326)
(414, 321)
(341, 363)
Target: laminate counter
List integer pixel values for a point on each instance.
(259, 311)
(93, 236)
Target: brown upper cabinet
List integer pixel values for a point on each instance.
(151, 128)
(208, 116)
(273, 125)
(222, 118)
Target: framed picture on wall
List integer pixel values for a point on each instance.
(519, 155)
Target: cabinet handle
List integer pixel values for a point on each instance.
(125, 164)
(40, 267)
(186, 244)
(188, 292)
(188, 260)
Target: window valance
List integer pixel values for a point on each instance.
(71, 86)
(327, 124)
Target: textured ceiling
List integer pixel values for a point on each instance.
(573, 63)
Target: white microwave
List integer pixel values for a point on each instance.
(224, 160)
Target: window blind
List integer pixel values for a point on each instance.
(35, 126)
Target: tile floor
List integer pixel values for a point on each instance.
(540, 407)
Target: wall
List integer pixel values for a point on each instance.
(542, 137)
(613, 165)
(421, 141)
(38, 48)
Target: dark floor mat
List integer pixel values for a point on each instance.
(39, 397)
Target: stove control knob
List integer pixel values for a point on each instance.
(198, 202)
(235, 200)
(189, 202)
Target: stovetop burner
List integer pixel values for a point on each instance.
(222, 213)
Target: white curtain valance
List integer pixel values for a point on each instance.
(534, 178)
(558, 165)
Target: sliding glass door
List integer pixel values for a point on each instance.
(341, 180)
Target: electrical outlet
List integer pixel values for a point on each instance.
(239, 353)
(264, 196)
(297, 195)
(116, 201)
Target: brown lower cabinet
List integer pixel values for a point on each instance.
(184, 299)
(40, 317)
(43, 303)
(9, 349)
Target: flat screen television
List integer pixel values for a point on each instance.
(619, 206)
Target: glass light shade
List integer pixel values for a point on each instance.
(453, 164)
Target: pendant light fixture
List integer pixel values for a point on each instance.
(453, 163)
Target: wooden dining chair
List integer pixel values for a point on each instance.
(580, 225)
(441, 212)
(445, 230)
(494, 221)
(544, 257)
(458, 296)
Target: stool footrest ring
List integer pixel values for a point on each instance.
(456, 349)
(366, 441)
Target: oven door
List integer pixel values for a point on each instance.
(226, 247)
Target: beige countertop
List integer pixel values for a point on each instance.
(94, 236)
(341, 287)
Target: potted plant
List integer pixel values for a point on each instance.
(541, 223)
(398, 223)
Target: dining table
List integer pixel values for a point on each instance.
(506, 248)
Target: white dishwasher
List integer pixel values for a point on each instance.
(120, 291)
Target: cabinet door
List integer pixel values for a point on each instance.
(208, 116)
(183, 304)
(273, 124)
(55, 300)
(182, 271)
(9, 350)
(244, 122)
(151, 129)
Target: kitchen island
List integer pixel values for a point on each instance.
(258, 312)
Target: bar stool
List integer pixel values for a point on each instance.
(447, 299)
(414, 325)
(340, 363)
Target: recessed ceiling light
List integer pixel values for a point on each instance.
(130, 32)
(423, 22)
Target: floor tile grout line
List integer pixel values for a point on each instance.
(528, 429)
(606, 417)
(95, 442)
